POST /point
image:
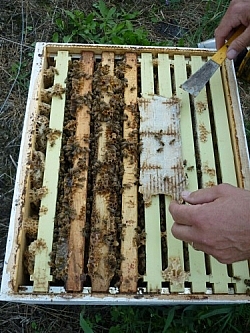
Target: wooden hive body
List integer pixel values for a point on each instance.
(80, 231)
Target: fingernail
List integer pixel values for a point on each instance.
(185, 194)
(232, 54)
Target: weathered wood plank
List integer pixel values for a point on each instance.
(129, 246)
(79, 198)
(102, 263)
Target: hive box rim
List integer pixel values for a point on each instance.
(6, 294)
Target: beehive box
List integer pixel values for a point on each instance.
(109, 140)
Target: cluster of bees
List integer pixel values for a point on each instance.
(104, 175)
(37, 165)
(106, 170)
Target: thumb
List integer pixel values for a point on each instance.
(239, 44)
(200, 196)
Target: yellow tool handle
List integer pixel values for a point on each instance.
(221, 54)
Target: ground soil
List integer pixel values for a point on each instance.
(22, 24)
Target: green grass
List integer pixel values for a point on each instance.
(213, 13)
(171, 319)
(110, 24)
(104, 25)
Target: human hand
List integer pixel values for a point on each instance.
(238, 13)
(217, 221)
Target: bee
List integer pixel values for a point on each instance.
(58, 90)
(70, 125)
(87, 76)
(158, 136)
(75, 170)
(247, 282)
(161, 143)
(44, 109)
(237, 278)
(128, 123)
(128, 66)
(51, 71)
(159, 150)
(43, 210)
(171, 142)
(140, 239)
(190, 168)
(126, 186)
(42, 125)
(124, 117)
(53, 135)
(85, 232)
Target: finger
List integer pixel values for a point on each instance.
(222, 33)
(225, 29)
(239, 44)
(182, 214)
(182, 232)
(201, 247)
(223, 256)
(201, 196)
(232, 19)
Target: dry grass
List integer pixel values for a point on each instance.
(22, 23)
(43, 319)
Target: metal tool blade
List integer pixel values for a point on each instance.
(198, 80)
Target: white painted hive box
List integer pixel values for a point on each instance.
(98, 168)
